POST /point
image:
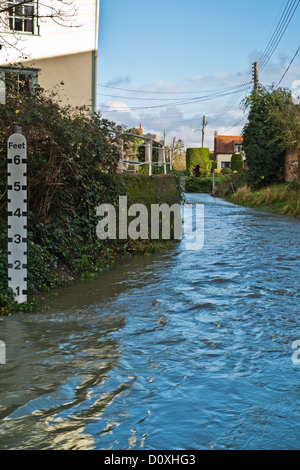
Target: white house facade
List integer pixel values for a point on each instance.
(56, 44)
(224, 147)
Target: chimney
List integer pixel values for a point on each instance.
(215, 144)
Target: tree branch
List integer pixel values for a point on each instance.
(62, 14)
(58, 12)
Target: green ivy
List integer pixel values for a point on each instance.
(72, 161)
(264, 153)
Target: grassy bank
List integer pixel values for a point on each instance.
(283, 198)
(279, 198)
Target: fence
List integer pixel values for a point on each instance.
(164, 160)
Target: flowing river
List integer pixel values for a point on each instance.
(180, 350)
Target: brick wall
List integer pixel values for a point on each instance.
(291, 165)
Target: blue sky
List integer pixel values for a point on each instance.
(153, 54)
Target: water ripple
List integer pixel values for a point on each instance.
(181, 350)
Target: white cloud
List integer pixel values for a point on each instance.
(119, 106)
(182, 120)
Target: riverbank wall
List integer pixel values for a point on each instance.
(155, 189)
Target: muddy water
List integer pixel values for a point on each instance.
(181, 350)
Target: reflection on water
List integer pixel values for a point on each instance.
(181, 350)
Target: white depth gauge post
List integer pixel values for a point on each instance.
(17, 214)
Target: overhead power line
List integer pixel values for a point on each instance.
(288, 68)
(175, 103)
(284, 22)
(285, 19)
(236, 124)
(237, 93)
(216, 90)
(229, 105)
(221, 92)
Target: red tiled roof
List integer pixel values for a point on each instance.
(225, 143)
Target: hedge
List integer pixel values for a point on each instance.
(237, 162)
(198, 159)
(198, 185)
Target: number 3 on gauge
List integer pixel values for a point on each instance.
(17, 238)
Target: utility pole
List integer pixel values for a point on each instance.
(203, 130)
(255, 78)
(173, 153)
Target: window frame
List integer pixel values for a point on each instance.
(238, 148)
(32, 72)
(34, 18)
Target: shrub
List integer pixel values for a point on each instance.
(242, 195)
(237, 162)
(198, 185)
(72, 161)
(198, 162)
(227, 185)
(226, 171)
(265, 154)
(213, 165)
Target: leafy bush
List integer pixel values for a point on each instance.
(265, 154)
(295, 185)
(72, 161)
(226, 171)
(198, 185)
(198, 162)
(237, 163)
(227, 185)
(213, 165)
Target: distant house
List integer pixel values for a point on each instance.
(136, 130)
(224, 147)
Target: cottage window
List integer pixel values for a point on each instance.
(238, 148)
(225, 164)
(14, 80)
(22, 16)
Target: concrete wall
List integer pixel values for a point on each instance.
(155, 189)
